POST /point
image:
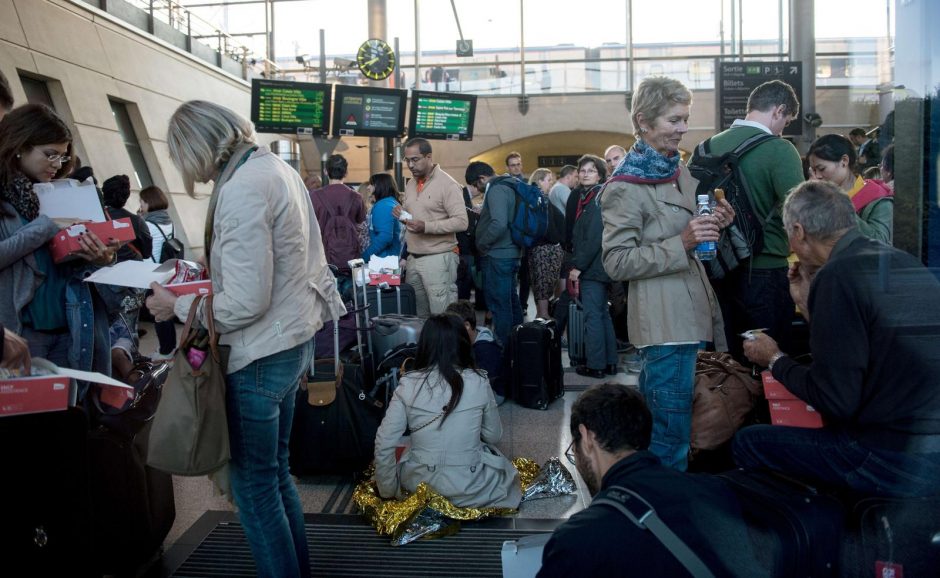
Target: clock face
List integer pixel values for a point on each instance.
(376, 59)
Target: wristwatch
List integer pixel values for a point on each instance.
(776, 357)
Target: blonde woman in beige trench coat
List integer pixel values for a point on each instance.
(651, 230)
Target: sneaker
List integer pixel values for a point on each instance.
(157, 356)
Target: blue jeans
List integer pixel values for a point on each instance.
(260, 403)
(835, 458)
(501, 276)
(667, 381)
(600, 344)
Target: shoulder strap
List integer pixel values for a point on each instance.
(641, 513)
(153, 257)
(466, 198)
(751, 143)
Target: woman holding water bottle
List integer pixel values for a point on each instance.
(651, 231)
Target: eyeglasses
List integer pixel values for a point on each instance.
(413, 160)
(588, 171)
(569, 453)
(61, 159)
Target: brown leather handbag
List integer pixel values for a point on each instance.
(189, 436)
(725, 393)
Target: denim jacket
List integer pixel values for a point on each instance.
(19, 277)
(90, 348)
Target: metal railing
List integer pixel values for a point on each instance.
(607, 74)
(192, 27)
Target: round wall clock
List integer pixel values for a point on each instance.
(376, 59)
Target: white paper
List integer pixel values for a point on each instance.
(92, 377)
(139, 274)
(70, 199)
(89, 376)
(376, 264)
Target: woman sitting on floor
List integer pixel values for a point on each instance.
(449, 407)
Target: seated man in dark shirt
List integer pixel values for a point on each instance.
(611, 428)
(875, 376)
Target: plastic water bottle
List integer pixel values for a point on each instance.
(706, 250)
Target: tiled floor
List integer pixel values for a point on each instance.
(529, 433)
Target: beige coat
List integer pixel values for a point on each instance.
(273, 289)
(671, 300)
(450, 455)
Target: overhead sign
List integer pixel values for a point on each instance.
(736, 81)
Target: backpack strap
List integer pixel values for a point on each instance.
(641, 513)
(153, 257)
(750, 144)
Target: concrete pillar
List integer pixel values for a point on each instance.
(377, 29)
(803, 48)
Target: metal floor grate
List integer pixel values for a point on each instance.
(354, 549)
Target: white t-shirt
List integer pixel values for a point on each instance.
(158, 238)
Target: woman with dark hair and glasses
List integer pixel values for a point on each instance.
(449, 407)
(61, 317)
(833, 158)
(384, 228)
(587, 278)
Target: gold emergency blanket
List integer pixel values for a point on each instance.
(427, 514)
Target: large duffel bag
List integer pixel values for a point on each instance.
(725, 393)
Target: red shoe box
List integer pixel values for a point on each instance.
(785, 408)
(34, 394)
(391, 278)
(53, 392)
(192, 288)
(65, 243)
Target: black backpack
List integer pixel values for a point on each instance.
(745, 237)
(172, 247)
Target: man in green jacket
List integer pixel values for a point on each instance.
(756, 294)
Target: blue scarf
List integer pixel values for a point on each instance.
(644, 164)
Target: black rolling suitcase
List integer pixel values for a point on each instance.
(535, 349)
(335, 417)
(46, 528)
(892, 537)
(398, 299)
(795, 530)
(133, 504)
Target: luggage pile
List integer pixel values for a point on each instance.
(358, 362)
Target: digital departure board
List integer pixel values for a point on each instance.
(442, 115)
(736, 80)
(281, 106)
(368, 111)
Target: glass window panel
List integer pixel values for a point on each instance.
(37, 91)
(126, 128)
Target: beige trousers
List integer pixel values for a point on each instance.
(434, 278)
